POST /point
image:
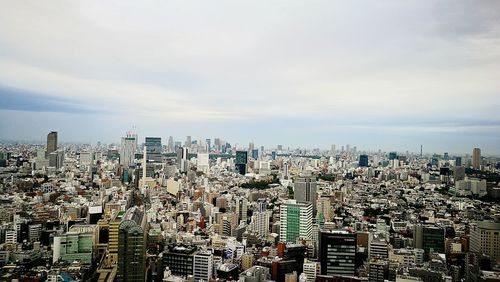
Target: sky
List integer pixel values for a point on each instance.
(392, 75)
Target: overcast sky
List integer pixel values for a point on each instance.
(376, 74)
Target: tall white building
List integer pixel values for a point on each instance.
(260, 220)
(182, 162)
(203, 265)
(295, 221)
(128, 149)
(202, 162)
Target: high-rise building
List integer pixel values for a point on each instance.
(485, 239)
(203, 265)
(363, 160)
(260, 220)
(332, 150)
(337, 252)
(202, 162)
(170, 145)
(378, 248)
(458, 161)
(132, 246)
(209, 145)
(188, 141)
(182, 162)
(179, 258)
(430, 238)
(295, 221)
(242, 208)
(379, 270)
(114, 225)
(51, 142)
(255, 154)
(56, 159)
(128, 149)
(241, 162)
(305, 190)
(153, 149)
(476, 158)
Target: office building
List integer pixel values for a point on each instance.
(476, 158)
(51, 142)
(378, 270)
(153, 149)
(310, 269)
(202, 162)
(241, 162)
(458, 161)
(247, 261)
(295, 221)
(305, 190)
(255, 154)
(56, 159)
(170, 145)
(430, 238)
(182, 161)
(128, 149)
(203, 265)
(132, 246)
(337, 252)
(485, 239)
(78, 244)
(363, 160)
(179, 258)
(378, 248)
(242, 208)
(393, 155)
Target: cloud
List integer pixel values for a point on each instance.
(18, 99)
(234, 64)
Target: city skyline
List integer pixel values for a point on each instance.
(389, 75)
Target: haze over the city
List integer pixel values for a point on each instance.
(383, 74)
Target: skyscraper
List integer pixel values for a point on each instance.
(363, 160)
(182, 154)
(241, 162)
(51, 142)
(337, 253)
(295, 221)
(154, 149)
(128, 149)
(209, 145)
(476, 158)
(188, 141)
(305, 191)
(132, 246)
(430, 238)
(170, 145)
(255, 154)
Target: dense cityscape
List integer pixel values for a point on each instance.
(249, 141)
(147, 209)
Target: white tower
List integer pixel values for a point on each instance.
(144, 158)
